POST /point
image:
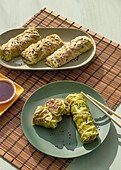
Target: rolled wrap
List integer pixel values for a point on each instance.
(69, 51)
(58, 106)
(16, 45)
(82, 118)
(42, 49)
(51, 114)
(44, 117)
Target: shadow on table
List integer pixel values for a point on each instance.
(63, 136)
(102, 157)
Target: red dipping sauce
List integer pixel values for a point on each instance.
(6, 90)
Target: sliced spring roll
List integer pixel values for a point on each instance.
(51, 114)
(42, 49)
(82, 118)
(58, 106)
(16, 45)
(69, 51)
(44, 117)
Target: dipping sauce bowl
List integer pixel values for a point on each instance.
(7, 90)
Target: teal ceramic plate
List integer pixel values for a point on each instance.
(64, 141)
(66, 34)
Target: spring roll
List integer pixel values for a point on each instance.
(16, 45)
(44, 117)
(42, 49)
(69, 51)
(82, 118)
(58, 106)
(51, 114)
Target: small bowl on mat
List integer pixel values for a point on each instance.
(7, 90)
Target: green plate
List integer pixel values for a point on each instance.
(64, 141)
(66, 34)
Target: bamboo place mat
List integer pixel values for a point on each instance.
(102, 73)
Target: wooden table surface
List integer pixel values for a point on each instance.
(100, 16)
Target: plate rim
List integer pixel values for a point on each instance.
(56, 155)
(4, 63)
